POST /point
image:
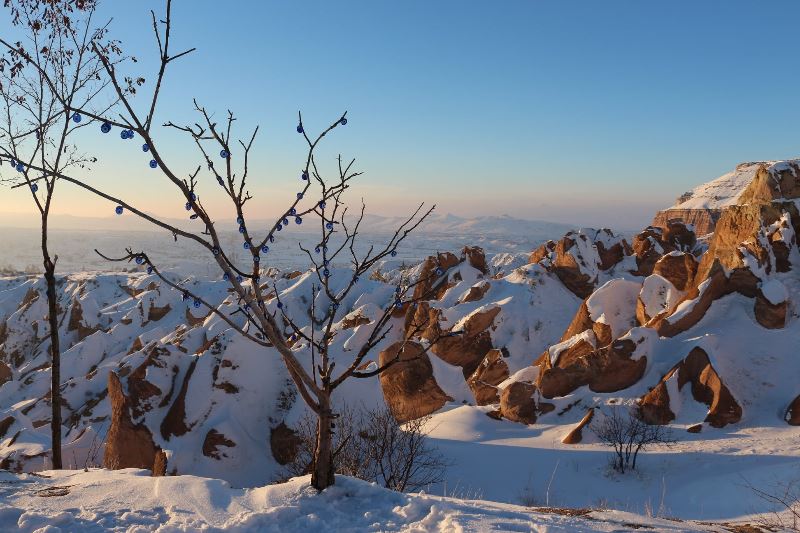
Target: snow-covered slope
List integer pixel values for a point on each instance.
(722, 191)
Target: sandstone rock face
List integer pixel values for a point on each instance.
(769, 315)
(215, 443)
(703, 220)
(706, 386)
(607, 369)
(575, 436)
(128, 445)
(409, 388)
(469, 348)
(677, 267)
(433, 285)
(517, 403)
(492, 371)
(284, 443)
(475, 256)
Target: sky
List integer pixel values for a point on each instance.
(585, 112)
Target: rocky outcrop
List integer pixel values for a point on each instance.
(409, 388)
(768, 314)
(793, 412)
(575, 436)
(483, 383)
(469, 347)
(517, 402)
(607, 369)
(475, 257)
(706, 387)
(677, 267)
(284, 443)
(433, 279)
(128, 445)
(702, 220)
(214, 443)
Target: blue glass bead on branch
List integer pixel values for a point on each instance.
(224, 154)
(246, 246)
(326, 262)
(225, 277)
(394, 253)
(106, 127)
(215, 250)
(285, 221)
(271, 238)
(193, 216)
(355, 279)
(13, 163)
(192, 197)
(299, 128)
(123, 134)
(139, 259)
(118, 210)
(316, 250)
(239, 220)
(188, 206)
(322, 205)
(20, 167)
(219, 180)
(293, 211)
(145, 147)
(264, 249)
(343, 121)
(130, 134)
(299, 196)
(279, 227)
(76, 117)
(298, 220)
(239, 279)
(241, 229)
(280, 305)
(149, 270)
(34, 187)
(304, 176)
(197, 303)
(398, 304)
(329, 225)
(256, 259)
(326, 272)
(153, 163)
(439, 271)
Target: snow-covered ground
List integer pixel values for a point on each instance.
(130, 500)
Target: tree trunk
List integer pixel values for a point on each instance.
(322, 469)
(55, 352)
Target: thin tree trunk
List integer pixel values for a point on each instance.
(322, 471)
(55, 351)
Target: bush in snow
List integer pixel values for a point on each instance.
(627, 434)
(371, 445)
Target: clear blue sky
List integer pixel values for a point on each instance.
(588, 112)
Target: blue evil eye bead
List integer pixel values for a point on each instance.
(293, 211)
(123, 134)
(298, 220)
(326, 272)
(299, 196)
(299, 128)
(139, 260)
(279, 227)
(285, 221)
(193, 216)
(264, 249)
(76, 117)
(292, 337)
(192, 197)
(343, 121)
(215, 250)
(439, 271)
(394, 253)
(145, 147)
(241, 229)
(280, 305)
(118, 210)
(322, 205)
(106, 127)
(324, 248)
(304, 176)
(13, 163)
(246, 246)
(316, 250)
(188, 206)
(149, 270)
(239, 220)
(225, 277)
(34, 187)
(271, 238)
(196, 303)
(224, 154)
(329, 225)
(398, 304)
(256, 259)
(130, 134)
(239, 279)
(355, 279)
(153, 163)
(20, 167)
(326, 262)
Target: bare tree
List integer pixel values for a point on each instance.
(371, 445)
(319, 198)
(37, 125)
(627, 434)
(785, 501)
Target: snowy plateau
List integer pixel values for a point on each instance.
(174, 422)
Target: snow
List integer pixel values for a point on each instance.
(614, 304)
(132, 501)
(774, 291)
(659, 295)
(556, 350)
